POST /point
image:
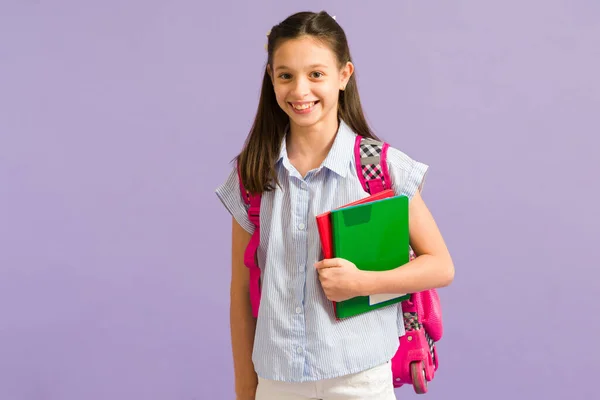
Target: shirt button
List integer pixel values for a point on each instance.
(304, 185)
(301, 226)
(298, 310)
(299, 350)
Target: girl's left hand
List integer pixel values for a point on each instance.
(340, 278)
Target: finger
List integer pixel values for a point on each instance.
(328, 263)
(323, 272)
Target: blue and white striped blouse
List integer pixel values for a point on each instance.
(297, 335)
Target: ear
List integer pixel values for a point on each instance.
(345, 74)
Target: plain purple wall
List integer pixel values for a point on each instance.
(118, 119)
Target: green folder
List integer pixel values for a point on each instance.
(375, 237)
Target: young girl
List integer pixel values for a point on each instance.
(299, 155)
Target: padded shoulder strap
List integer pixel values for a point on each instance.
(371, 164)
(253, 203)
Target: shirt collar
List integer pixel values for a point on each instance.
(341, 153)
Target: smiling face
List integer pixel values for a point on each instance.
(307, 79)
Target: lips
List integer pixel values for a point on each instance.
(303, 107)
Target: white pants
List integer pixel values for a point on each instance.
(372, 384)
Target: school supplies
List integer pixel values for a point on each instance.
(324, 226)
(373, 236)
(324, 222)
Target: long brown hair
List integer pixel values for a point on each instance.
(263, 144)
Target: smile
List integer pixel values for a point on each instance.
(304, 107)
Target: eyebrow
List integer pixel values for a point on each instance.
(310, 67)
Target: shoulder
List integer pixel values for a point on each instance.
(230, 194)
(401, 160)
(406, 173)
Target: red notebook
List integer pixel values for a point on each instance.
(324, 223)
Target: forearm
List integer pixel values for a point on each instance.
(423, 273)
(243, 327)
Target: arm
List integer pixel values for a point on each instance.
(243, 324)
(433, 267)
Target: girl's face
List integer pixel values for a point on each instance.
(307, 81)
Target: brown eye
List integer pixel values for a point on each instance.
(317, 74)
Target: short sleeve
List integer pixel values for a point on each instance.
(230, 195)
(407, 175)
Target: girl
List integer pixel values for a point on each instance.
(299, 155)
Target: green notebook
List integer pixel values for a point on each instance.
(375, 237)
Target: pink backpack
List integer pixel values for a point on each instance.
(416, 360)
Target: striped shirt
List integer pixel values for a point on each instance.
(297, 335)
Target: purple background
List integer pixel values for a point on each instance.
(118, 120)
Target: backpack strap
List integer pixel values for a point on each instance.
(252, 202)
(371, 164)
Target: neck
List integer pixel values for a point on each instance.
(311, 142)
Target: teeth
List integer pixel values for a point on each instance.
(304, 106)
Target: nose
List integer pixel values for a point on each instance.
(301, 87)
